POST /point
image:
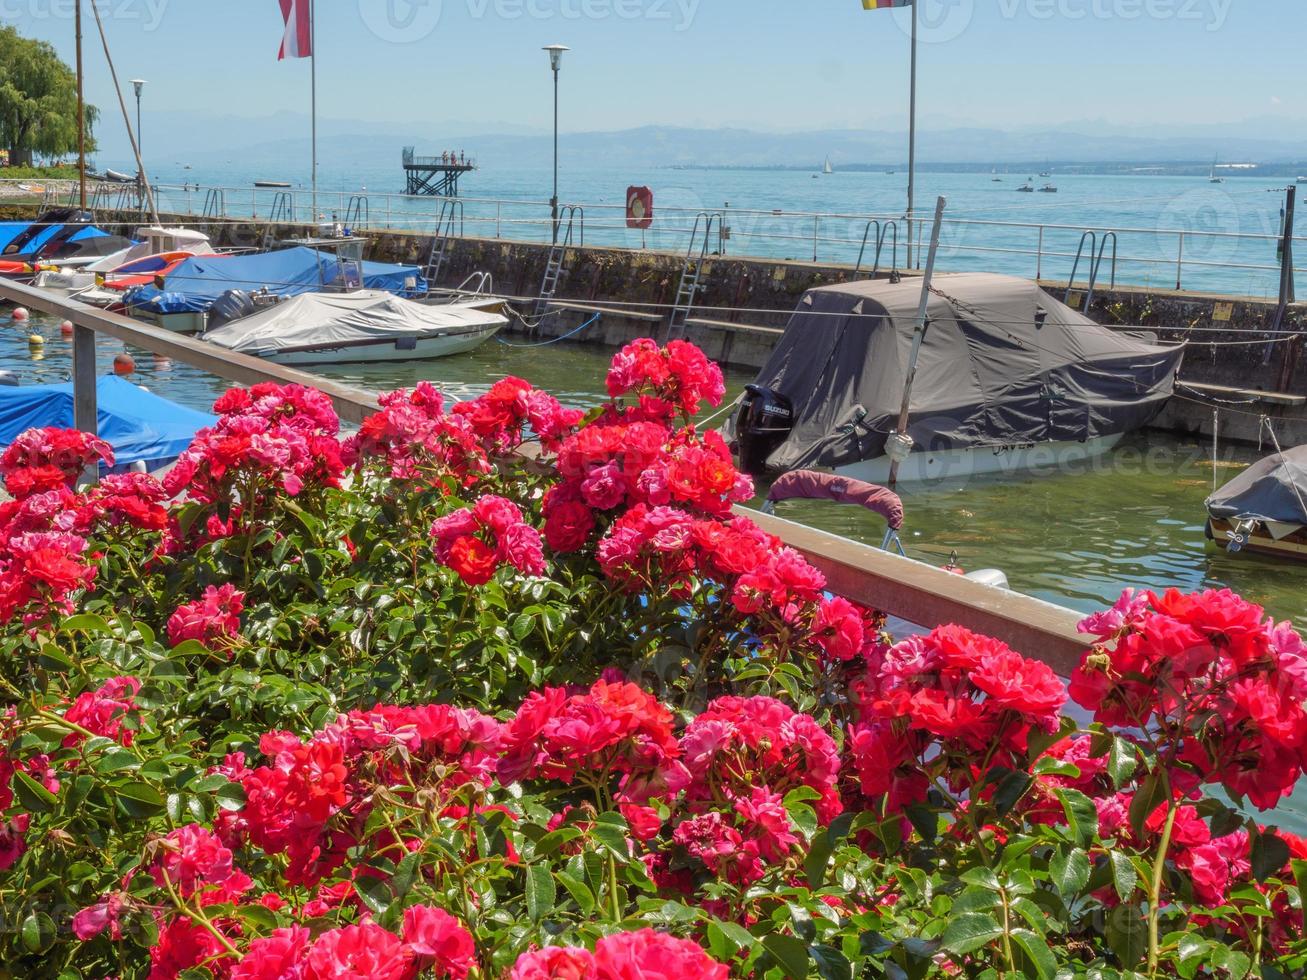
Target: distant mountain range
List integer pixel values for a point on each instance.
(349, 145)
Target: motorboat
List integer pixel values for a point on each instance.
(1264, 508)
(1007, 380)
(145, 430)
(812, 485)
(1026, 188)
(183, 299)
(272, 184)
(1048, 189)
(152, 243)
(65, 237)
(363, 326)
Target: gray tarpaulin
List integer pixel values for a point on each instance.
(1272, 490)
(1003, 363)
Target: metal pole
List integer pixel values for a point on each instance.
(553, 202)
(1179, 262)
(313, 86)
(923, 324)
(1039, 256)
(81, 114)
(1287, 291)
(140, 136)
(84, 407)
(912, 138)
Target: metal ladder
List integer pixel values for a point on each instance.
(558, 252)
(691, 273)
(1097, 251)
(357, 212)
(882, 232)
(283, 212)
(449, 224)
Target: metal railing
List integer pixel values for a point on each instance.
(899, 586)
(1163, 257)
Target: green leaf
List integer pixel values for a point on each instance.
(1124, 876)
(86, 623)
(1122, 760)
(37, 932)
(1150, 796)
(814, 865)
(581, 895)
(1081, 815)
(831, 963)
(1270, 854)
(790, 954)
(540, 891)
(1070, 872)
(1127, 935)
(1036, 949)
(1300, 876)
(375, 893)
(139, 800)
(969, 932)
(1010, 789)
(612, 831)
(735, 938)
(231, 796)
(34, 797)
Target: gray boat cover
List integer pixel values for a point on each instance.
(1271, 490)
(314, 320)
(1003, 364)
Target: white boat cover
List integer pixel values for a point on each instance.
(315, 320)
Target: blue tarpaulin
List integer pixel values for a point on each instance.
(140, 426)
(196, 284)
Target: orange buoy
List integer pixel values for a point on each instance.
(124, 364)
(20, 314)
(66, 328)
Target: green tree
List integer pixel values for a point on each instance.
(38, 100)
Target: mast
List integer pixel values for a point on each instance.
(918, 338)
(313, 85)
(912, 132)
(81, 114)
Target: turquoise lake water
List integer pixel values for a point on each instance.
(1149, 212)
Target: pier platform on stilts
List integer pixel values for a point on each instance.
(435, 176)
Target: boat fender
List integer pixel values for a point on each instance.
(8, 380)
(899, 446)
(992, 577)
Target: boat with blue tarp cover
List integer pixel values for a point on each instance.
(186, 294)
(142, 428)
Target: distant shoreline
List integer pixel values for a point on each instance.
(1021, 170)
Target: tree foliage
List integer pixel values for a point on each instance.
(38, 100)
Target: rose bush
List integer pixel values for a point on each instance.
(426, 701)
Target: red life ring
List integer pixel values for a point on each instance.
(639, 207)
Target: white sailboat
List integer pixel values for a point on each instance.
(1214, 179)
(828, 169)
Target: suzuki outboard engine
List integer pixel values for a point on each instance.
(765, 421)
(234, 304)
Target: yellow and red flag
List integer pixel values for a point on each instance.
(885, 4)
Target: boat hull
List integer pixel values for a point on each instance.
(422, 349)
(1260, 541)
(961, 464)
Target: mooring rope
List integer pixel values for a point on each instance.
(553, 340)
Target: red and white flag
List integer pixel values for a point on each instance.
(298, 39)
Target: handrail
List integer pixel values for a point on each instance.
(914, 591)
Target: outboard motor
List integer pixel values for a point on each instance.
(231, 305)
(765, 421)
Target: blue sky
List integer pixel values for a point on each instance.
(767, 64)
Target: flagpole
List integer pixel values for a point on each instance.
(313, 58)
(81, 115)
(912, 135)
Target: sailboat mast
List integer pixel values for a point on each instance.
(81, 114)
(313, 84)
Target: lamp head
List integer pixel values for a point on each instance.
(138, 84)
(556, 55)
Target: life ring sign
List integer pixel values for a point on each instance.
(639, 207)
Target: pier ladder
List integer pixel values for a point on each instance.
(1096, 253)
(283, 212)
(358, 213)
(696, 257)
(883, 231)
(575, 215)
(449, 225)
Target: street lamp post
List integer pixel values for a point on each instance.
(555, 62)
(139, 85)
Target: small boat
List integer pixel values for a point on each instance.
(273, 184)
(1302, 180)
(1214, 179)
(1048, 189)
(114, 177)
(363, 326)
(1009, 380)
(1026, 188)
(1264, 508)
(995, 177)
(811, 485)
(151, 241)
(829, 168)
(146, 431)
